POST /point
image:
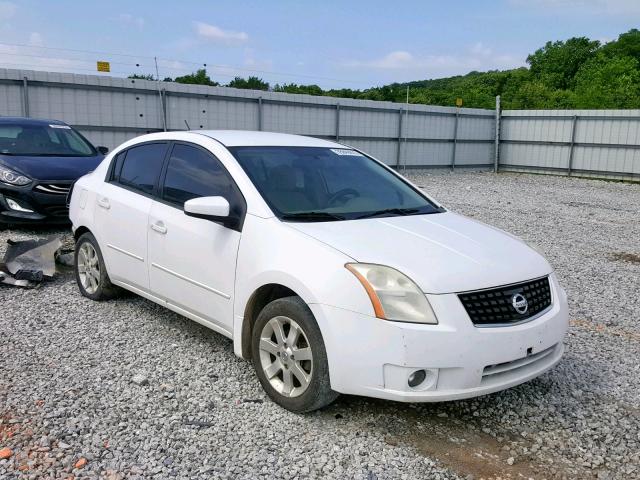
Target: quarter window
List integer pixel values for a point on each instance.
(193, 173)
(141, 166)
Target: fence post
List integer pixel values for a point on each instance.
(337, 122)
(25, 96)
(163, 105)
(496, 157)
(260, 113)
(573, 142)
(399, 152)
(455, 140)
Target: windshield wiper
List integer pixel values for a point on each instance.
(390, 211)
(312, 216)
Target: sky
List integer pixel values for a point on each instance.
(350, 44)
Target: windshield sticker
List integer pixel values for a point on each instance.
(66, 127)
(346, 151)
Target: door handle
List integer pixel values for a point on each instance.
(104, 203)
(159, 227)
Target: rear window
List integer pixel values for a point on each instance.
(141, 166)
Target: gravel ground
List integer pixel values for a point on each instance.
(70, 405)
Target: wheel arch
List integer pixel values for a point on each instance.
(260, 297)
(81, 230)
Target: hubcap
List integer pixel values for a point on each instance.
(88, 268)
(285, 356)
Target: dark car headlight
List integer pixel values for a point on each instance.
(13, 178)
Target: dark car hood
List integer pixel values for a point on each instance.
(51, 168)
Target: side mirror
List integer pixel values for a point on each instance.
(216, 209)
(102, 150)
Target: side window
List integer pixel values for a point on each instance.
(141, 166)
(192, 173)
(117, 165)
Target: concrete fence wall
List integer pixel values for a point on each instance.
(595, 143)
(110, 110)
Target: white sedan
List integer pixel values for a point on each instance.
(329, 270)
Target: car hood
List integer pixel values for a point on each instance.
(442, 253)
(51, 168)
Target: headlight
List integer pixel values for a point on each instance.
(13, 178)
(393, 295)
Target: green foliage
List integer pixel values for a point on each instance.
(198, 78)
(608, 82)
(557, 63)
(576, 73)
(295, 88)
(251, 83)
(138, 76)
(627, 45)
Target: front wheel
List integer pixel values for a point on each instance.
(289, 356)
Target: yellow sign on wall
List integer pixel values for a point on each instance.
(104, 66)
(458, 102)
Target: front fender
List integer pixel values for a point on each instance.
(271, 252)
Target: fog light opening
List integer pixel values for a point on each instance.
(13, 205)
(416, 378)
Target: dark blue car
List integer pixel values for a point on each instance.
(39, 161)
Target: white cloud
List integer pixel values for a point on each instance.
(35, 39)
(477, 57)
(391, 61)
(577, 7)
(212, 34)
(7, 10)
(131, 20)
(28, 59)
(253, 63)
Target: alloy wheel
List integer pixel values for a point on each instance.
(285, 356)
(89, 268)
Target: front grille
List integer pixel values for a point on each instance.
(53, 188)
(495, 306)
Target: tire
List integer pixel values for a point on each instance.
(96, 284)
(286, 389)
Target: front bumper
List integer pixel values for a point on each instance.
(47, 200)
(374, 358)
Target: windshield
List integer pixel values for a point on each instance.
(43, 140)
(328, 184)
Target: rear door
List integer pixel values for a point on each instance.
(192, 261)
(122, 212)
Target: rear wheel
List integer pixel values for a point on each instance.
(289, 356)
(91, 273)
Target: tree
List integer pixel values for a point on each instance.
(608, 82)
(138, 76)
(295, 88)
(198, 78)
(557, 63)
(627, 45)
(251, 83)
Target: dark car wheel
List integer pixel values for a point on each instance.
(91, 273)
(289, 356)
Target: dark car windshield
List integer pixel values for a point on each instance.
(43, 140)
(328, 184)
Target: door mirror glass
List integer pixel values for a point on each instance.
(102, 150)
(213, 208)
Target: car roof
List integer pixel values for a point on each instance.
(238, 138)
(28, 121)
